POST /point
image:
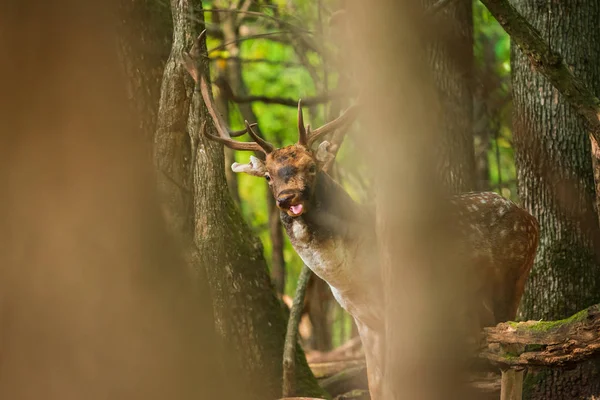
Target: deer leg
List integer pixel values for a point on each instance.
(372, 348)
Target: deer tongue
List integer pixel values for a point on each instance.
(297, 209)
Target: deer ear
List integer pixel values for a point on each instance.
(325, 152)
(255, 167)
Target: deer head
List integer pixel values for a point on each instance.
(291, 171)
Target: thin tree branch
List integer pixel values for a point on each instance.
(245, 6)
(277, 20)
(288, 64)
(289, 349)
(228, 93)
(548, 62)
(274, 36)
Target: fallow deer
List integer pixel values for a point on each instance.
(335, 236)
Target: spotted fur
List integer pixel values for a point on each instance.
(335, 237)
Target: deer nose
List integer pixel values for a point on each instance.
(283, 201)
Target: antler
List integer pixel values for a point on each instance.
(307, 138)
(225, 135)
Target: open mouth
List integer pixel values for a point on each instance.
(296, 210)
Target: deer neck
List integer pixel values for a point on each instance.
(336, 239)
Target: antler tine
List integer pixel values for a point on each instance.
(232, 144)
(267, 147)
(302, 137)
(241, 131)
(346, 118)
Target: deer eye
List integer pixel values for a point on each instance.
(268, 177)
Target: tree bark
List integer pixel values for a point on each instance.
(556, 182)
(172, 144)
(451, 59)
(248, 315)
(555, 176)
(549, 62)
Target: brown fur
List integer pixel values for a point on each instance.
(336, 238)
(292, 170)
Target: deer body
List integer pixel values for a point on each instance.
(335, 237)
(336, 240)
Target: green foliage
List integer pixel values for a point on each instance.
(284, 69)
(492, 65)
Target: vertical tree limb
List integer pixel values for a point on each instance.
(291, 337)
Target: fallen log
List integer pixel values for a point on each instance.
(508, 345)
(543, 344)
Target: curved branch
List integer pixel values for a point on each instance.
(310, 101)
(548, 62)
(289, 349)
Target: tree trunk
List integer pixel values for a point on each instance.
(402, 112)
(556, 182)
(249, 317)
(451, 58)
(95, 302)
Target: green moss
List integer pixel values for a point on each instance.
(545, 326)
(513, 324)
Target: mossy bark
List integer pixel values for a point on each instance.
(554, 168)
(556, 182)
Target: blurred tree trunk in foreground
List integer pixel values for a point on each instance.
(556, 182)
(94, 301)
(451, 58)
(145, 38)
(401, 110)
(249, 317)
